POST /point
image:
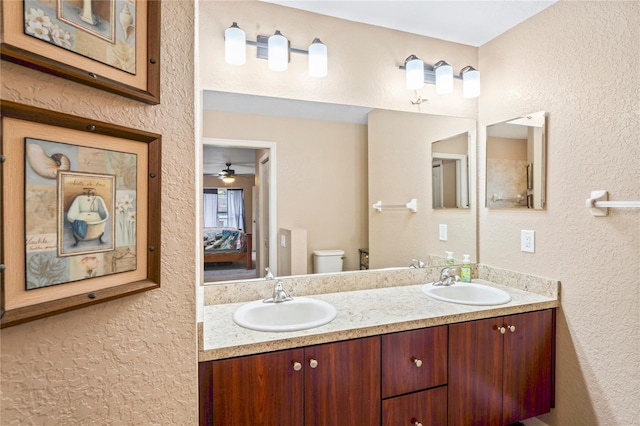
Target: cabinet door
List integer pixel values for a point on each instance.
(258, 390)
(527, 365)
(342, 383)
(414, 360)
(475, 373)
(428, 408)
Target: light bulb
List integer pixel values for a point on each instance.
(414, 73)
(235, 51)
(444, 77)
(470, 82)
(317, 59)
(278, 52)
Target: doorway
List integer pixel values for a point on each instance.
(262, 224)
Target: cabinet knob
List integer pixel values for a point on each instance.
(502, 330)
(511, 328)
(416, 361)
(313, 363)
(415, 422)
(297, 366)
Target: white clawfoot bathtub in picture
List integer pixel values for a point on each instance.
(88, 215)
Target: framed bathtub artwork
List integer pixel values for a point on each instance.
(113, 45)
(80, 212)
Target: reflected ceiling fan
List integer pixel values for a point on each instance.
(227, 175)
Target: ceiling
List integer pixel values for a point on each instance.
(470, 22)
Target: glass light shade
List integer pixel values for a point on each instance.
(471, 83)
(228, 179)
(444, 78)
(235, 50)
(414, 73)
(278, 52)
(317, 59)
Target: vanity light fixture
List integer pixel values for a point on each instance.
(276, 49)
(414, 72)
(278, 52)
(470, 82)
(441, 74)
(444, 77)
(234, 45)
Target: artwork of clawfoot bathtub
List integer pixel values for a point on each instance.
(88, 216)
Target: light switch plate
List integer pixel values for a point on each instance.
(527, 241)
(283, 240)
(443, 232)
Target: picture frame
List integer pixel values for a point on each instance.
(123, 57)
(80, 212)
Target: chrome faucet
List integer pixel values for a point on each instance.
(417, 264)
(448, 276)
(279, 295)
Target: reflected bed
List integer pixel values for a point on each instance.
(227, 245)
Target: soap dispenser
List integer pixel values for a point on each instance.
(465, 270)
(450, 259)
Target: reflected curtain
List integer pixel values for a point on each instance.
(210, 203)
(235, 208)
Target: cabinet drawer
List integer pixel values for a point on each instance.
(428, 408)
(414, 360)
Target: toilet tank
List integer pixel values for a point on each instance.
(327, 261)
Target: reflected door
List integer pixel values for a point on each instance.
(436, 180)
(263, 212)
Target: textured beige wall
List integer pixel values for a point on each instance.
(363, 59)
(578, 61)
(321, 176)
(132, 360)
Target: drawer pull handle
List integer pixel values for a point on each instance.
(415, 422)
(313, 363)
(416, 361)
(297, 366)
(512, 328)
(502, 330)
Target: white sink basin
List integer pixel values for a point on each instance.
(467, 294)
(301, 313)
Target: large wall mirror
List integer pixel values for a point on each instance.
(320, 183)
(516, 163)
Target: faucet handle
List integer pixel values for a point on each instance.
(268, 275)
(417, 264)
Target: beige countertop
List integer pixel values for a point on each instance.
(361, 313)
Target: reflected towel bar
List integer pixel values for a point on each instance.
(411, 205)
(518, 198)
(599, 205)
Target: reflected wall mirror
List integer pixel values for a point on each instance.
(321, 181)
(516, 163)
(449, 172)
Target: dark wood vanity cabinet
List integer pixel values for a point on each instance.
(330, 384)
(414, 377)
(495, 371)
(501, 369)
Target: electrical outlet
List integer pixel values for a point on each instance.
(527, 241)
(443, 232)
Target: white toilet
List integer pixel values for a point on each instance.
(327, 261)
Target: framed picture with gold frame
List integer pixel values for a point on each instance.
(113, 45)
(80, 212)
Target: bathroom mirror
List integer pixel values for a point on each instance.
(322, 182)
(516, 163)
(449, 172)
